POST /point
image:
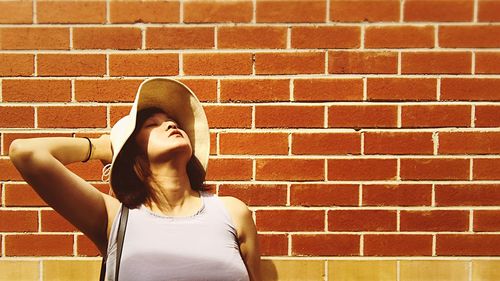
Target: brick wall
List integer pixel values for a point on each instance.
(362, 134)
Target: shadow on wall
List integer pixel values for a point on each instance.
(268, 270)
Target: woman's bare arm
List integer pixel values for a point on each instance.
(247, 237)
(41, 163)
(65, 149)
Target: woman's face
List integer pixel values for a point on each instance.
(157, 137)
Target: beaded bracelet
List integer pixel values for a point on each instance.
(90, 150)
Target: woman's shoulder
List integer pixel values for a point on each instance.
(234, 203)
(238, 211)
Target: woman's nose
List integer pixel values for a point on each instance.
(171, 125)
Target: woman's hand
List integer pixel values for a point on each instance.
(103, 150)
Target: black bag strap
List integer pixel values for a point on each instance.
(121, 234)
(103, 269)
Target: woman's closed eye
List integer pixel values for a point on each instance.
(156, 123)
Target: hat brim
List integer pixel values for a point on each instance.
(180, 103)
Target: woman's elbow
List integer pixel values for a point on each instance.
(20, 152)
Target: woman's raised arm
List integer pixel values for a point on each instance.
(41, 163)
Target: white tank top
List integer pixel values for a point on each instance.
(157, 247)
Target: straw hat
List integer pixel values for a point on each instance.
(179, 102)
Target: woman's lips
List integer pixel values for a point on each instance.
(175, 132)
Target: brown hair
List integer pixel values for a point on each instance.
(132, 186)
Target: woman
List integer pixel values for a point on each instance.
(176, 230)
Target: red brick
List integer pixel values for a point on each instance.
(484, 89)
(22, 195)
(290, 63)
(364, 10)
(144, 11)
(91, 170)
(320, 89)
(467, 194)
(472, 36)
(324, 195)
(38, 245)
(251, 37)
(303, 220)
(72, 117)
(120, 38)
(17, 65)
(117, 112)
(18, 221)
(70, 11)
(486, 220)
(437, 220)
(106, 90)
(204, 89)
(255, 90)
(435, 116)
(326, 143)
(487, 116)
(349, 116)
(436, 63)
(229, 169)
(290, 169)
(16, 12)
(256, 194)
(217, 64)
(290, 11)
(362, 62)
(399, 36)
(398, 143)
(434, 169)
(9, 171)
(180, 38)
(397, 245)
(396, 89)
(487, 62)
(34, 38)
(51, 221)
(229, 116)
(310, 37)
(289, 116)
(143, 64)
(438, 11)
(71, 65)
(362, 169)
(36, 90)
(213, 143)
(273, 244)
(222, 11)
(397, 195)
(253, 143)
(467, 245)
(486, 169)
(469, 143)
(85, 247)
(488, 11)
(362, 220)
(17, 117)
(325, 245)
